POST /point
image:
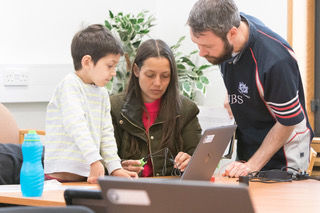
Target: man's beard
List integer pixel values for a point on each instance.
(227, 54)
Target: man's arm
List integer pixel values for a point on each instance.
(274, 140)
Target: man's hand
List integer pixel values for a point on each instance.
(274, 140)
(181, 161)
(227, 106)
(96, 171)
(236, 169)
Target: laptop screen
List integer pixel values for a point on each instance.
(150, 195)
(208, 153)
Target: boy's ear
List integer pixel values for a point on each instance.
(136, 70)
(86, 61)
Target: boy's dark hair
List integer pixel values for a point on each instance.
(95, 40)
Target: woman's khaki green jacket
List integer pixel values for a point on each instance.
(127, 121)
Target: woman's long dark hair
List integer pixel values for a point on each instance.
(170, 102)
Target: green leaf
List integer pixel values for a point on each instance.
(107, 24)
(123, 25)
(117, 19)
(186, 87)
(178, 54)
(132, 37)
(136, 27)
(109, 86)
(174, 47)
(123, 36)
(187, 60)
(204, 90)
(205, 66)
(181, 66)
(194, 52)
(111, 14)
(186, 94)
(120, 89)
(140, 20)
(141, 14)
(204, 80)
(199, 85)
(181, 39)
(136, 44)
(199, 72)
(119, 75)
(192, 74)
(145, 31)
(133, 20)
(126, 20)
(129, 29)
(183, 79)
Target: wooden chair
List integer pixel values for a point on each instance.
(313, 156)
(314, 165)
(9, 131)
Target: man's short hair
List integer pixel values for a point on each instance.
(217, 16)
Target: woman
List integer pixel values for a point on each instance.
(151, 117)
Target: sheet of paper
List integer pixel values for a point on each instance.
(49, 185)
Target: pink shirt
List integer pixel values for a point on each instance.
(153, 110)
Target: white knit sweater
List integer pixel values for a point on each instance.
(79, 129)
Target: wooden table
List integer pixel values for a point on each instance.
(48, 198)
(291, 197)
(285, 197)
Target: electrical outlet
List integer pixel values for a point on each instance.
(16, 77)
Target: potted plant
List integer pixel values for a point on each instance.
(131, 30)
(191, 77)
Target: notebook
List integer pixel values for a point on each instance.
(138, 195)
(208, 153)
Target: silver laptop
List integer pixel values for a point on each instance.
(149, 195)
(208, 153)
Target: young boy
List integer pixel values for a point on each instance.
(79, 131)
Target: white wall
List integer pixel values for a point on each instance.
(40, 32)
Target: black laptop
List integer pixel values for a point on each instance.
(85, 197)
(123, 195)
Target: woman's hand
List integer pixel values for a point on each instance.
(181, 161)
(132, 165)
